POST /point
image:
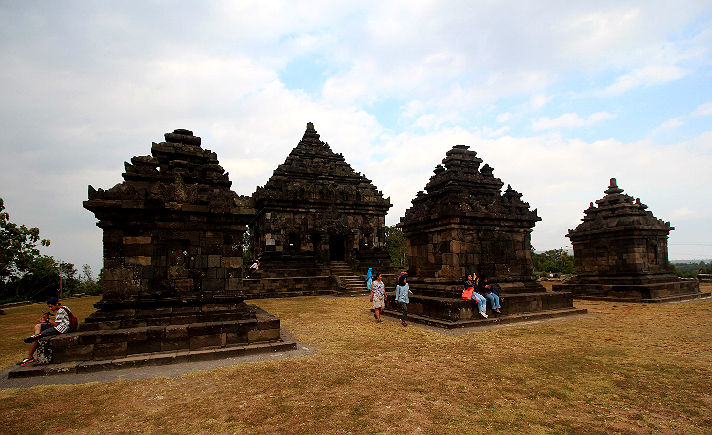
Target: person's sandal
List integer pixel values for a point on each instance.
(26, 361)
(32, 338)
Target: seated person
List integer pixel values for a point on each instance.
(481, 301)
(47, 327)
(485, 289)
(254, 267)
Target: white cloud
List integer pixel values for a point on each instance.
(504, 117)
(538, 101)
(703, 110)
(668, 125)
(570, 120)
(643, 77)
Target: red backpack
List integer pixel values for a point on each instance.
(73, 321)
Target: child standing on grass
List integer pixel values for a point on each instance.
(402, 291)
(378, 297)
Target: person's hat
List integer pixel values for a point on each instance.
(52, 300)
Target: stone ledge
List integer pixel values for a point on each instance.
(475, 323)
(662, 300)
(160, 358)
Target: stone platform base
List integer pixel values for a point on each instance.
(165, 333)
(285, 343)
(440, 304)
(655, 292)
(491, 321)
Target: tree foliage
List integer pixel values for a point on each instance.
(553, 260)
(26, 274)
(397, 246)
(18, 247)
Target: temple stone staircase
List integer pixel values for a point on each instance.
(350, 283)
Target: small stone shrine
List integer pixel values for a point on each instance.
(464, 224)
(319, 224)
(173, 233)
(620, 254)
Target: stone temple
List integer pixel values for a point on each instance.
(173, 233)
(319, 224)
(461, 224)
(621, 254)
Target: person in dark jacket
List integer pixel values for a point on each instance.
(485, 289)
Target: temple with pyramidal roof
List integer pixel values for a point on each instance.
(463, 224)
(173, 233)
(319, 225)
(621, 254)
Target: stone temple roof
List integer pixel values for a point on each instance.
(461, 188)
(617, 211)
(313, 174)
(178, 173)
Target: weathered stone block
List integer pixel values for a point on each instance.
(206, 341)
(110, 350)
(258, 335)
(74, 353)
(136, 240)
(139, 260)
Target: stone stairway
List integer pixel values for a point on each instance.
(351, 284)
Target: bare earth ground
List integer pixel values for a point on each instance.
(628, 368)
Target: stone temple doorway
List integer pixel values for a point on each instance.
(337, 248)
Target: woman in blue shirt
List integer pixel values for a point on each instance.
(402, 292)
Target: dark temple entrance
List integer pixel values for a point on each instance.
(337, 248)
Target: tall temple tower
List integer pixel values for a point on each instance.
(316, 210)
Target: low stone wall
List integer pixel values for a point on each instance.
(669, 289)
(288, 286)
(704, 277)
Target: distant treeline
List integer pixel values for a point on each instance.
(690, 270)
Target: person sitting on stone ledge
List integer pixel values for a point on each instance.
(478, 298)
(485, 289)
(254, 267)
(47, 327)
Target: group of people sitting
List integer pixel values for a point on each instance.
(480, 290)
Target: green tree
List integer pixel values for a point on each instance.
(553, 260)
(397, 246)
(18, 247)
(87, 284)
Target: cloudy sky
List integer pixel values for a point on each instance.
(557, 96)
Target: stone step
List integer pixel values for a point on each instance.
(676, 298)
(491, 321)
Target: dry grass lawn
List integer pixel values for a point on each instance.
(627, 368)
